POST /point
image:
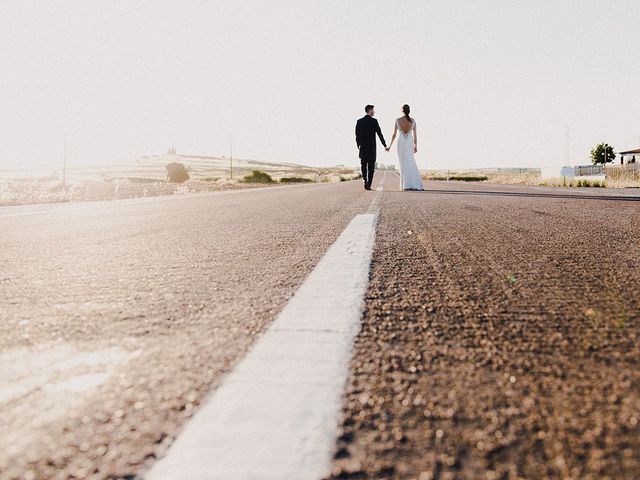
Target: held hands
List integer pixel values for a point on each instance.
(415, 149)
(386, 149)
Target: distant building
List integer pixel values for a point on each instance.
(172, 150)
(630, 156)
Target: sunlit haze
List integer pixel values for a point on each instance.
(490, 83)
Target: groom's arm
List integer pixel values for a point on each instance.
(379, 132)
(358, 135)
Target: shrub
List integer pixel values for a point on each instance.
(465, 178)
(258, 176)
(590, 183)
(295, 180)
(177, 172)
(470, 178)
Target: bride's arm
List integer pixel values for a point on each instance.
(393, 137)
(415, 139)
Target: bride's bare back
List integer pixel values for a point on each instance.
(405, 125)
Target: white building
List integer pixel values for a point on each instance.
(630, 156)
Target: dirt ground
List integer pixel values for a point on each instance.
(26, 193)
(145, 178)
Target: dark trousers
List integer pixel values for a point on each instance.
(368, 167)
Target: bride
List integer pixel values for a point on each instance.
(407, 146)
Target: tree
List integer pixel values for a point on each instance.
(176, 172)
(602, 153)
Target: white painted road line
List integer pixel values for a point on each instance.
(275, 415)
(374, 206)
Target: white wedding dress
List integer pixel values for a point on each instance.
(409, 174)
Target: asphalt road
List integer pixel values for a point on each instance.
(150, 302)
(499, 339)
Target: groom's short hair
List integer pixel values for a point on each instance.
(368, 108)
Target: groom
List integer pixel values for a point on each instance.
(366, 129)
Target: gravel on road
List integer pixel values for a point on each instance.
(117, 319)
(499, 339)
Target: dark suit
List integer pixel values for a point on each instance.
(366, 129)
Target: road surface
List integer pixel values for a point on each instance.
(499, 334)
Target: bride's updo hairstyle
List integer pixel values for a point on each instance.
(406, 110)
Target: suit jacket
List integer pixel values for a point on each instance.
(366, 129)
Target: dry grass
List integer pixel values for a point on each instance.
(514, 179)
(579, 182)
(625, 180)
(527, 177)
(507, 178)
(573, 182)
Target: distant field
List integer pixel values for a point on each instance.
(146, 176)
(526, 176)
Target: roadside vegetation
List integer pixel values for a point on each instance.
(588, 183)
(153, 175)
(258, 176)
(295, 180)
(572, 182)
(177, 172)
(461, 178)
(532, 177)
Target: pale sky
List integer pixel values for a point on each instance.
(491, 83)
